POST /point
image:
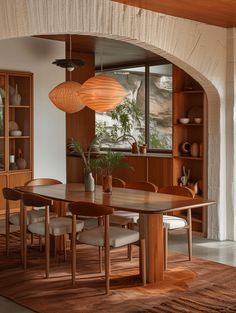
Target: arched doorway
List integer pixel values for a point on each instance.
(192, 46)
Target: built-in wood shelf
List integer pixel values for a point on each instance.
(188, 125)
(190, 91)
(19, 137)
(188, 158)
(19, 106)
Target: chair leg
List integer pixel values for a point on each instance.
(64, 247)
(40, 243)
(7, 235)
(32, 239)
(129, 248)
(100, 250)
(165, 230)
(129, 252)
(189, 234)
(24, 237)
(143, 261)
(55, 247)
(73, 248)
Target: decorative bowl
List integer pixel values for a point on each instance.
(184, 120)
(16, 133)
(197, 120)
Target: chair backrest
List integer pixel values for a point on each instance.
(89, 209)
(11, 194)
(117, 182)
(178, 191)
(142, 185)
(42, 182)
(33, 200)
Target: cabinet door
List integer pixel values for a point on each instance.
(2, 121)
(3, 183)
(18, 179)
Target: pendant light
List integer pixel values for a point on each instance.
(65, 96)
(102, 93)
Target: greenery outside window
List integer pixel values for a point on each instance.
(145, 114)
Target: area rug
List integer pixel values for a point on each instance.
(199, 286)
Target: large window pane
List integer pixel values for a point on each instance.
(160, 107)
(129, 117)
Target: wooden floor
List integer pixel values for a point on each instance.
(197, 286)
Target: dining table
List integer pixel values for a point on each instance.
(150, 205)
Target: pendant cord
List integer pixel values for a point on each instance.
(101, 58)
(70, 56)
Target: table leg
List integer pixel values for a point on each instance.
(151, 229)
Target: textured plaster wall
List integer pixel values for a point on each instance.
(200, 49)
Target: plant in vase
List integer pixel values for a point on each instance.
(75, 147)
(106, 164)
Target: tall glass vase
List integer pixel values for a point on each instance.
(89, 184)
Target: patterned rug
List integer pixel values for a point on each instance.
(199, 286)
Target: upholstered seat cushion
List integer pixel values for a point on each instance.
(34, 216)
(123, 218)
(37, 216)
(118, 236)
(174, 222)
(57, 226)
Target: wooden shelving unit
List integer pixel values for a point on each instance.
(19, 116)
(189, 102)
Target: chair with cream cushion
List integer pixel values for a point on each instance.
(10, 195)
(36, 214)
(57, 226)
(103, 236)
(124, 218)
(172, 222)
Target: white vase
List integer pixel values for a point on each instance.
(88, 182)
(16, 97)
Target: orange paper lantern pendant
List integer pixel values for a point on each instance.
(102, 93)
(65, 97)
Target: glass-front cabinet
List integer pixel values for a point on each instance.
(16, 136)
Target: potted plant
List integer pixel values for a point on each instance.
(124, 116)
(75, 147)
(106, 164)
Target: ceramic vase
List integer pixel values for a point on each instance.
(135, 148)
(194, 151)
(89, 184)
(20, 161)
(16, 97)
(107, 183)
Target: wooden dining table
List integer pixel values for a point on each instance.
(150, 205)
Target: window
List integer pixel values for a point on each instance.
(145, 115)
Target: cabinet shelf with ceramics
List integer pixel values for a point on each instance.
(16, 129)
(189, 139)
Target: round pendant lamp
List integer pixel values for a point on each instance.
(102, 93)
(65, 97)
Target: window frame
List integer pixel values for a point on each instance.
(147, 111)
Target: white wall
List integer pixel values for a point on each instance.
(36, 55)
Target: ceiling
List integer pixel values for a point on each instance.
(112, 53)
(215, 12)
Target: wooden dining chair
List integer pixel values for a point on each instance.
(38, 214)
(124, 218)
(11, 195)
(103, 236)
(117, 182)
(172, 222)
(57, 226)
